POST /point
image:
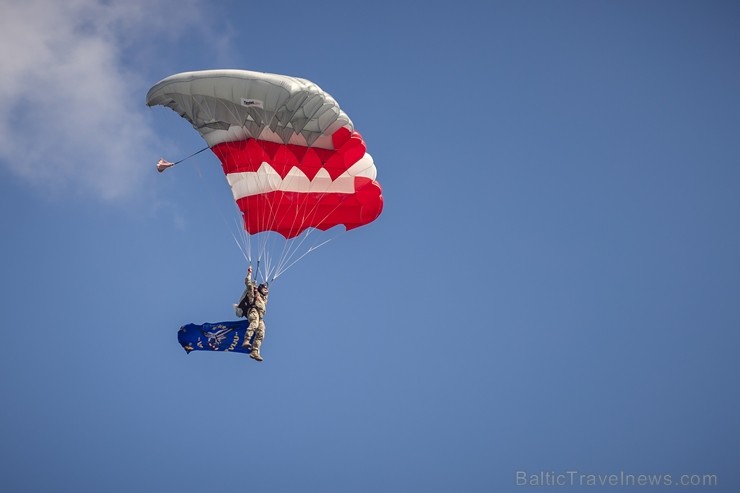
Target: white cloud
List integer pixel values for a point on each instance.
(73, 115)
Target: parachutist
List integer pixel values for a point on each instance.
(253, 305)
(294, 162)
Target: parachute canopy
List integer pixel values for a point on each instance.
(291, 156)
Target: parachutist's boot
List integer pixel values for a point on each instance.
(255, 354)
(247, 337)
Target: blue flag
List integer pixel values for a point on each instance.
(221, 336)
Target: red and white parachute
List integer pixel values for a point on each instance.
(291, 156)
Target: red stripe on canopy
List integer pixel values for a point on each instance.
(290, 213)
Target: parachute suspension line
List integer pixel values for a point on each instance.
(283, 269)
(276, 262)
(243, 245)
(257, 270)
(265, 220)
(292, 246)
(286, 259)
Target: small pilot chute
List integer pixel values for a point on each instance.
(163, 164)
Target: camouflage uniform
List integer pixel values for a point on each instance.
(257, 303)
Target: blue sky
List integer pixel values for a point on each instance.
(551, 292)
